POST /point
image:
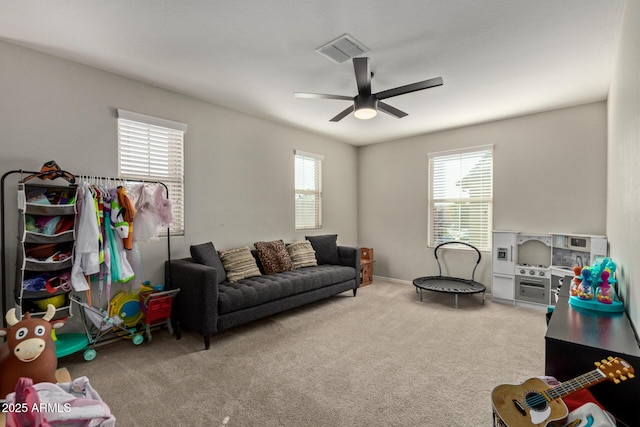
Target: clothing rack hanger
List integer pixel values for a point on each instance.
(53, 173)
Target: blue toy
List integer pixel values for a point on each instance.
(595, 291)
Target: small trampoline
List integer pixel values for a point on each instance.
(451, 285)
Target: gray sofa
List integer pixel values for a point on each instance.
(209, 303)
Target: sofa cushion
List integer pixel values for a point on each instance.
(302, 254)
(326, 248)
(206, 254)
(273, 256)
(239, 263)
(253, 291)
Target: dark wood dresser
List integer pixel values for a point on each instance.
(576, 338)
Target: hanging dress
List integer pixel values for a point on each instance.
(121, 270)
(87, 250)
(163, 206)
(146, 221)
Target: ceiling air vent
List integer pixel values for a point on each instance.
(342, 49)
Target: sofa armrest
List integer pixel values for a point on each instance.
(350, 257)
(196, 305)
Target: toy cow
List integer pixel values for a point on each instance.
(29, 351)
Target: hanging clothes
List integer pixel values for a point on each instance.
(127, 212)
(153, 212)
(164, 206)
(104, 277)
(106, 247)
(87, 258)
(121, 270)
(146, 221)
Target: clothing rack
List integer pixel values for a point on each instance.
(81, 177)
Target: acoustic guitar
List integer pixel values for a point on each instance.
(534, 403)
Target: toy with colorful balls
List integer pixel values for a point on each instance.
(594, 287)
(595, 280)
(585, 288)
(604, 294)
(577, 279)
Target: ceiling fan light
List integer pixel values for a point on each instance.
(365, 113)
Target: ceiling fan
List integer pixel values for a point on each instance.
(366, 104)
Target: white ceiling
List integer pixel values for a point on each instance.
(498, 58)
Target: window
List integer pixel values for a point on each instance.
(150, 148)
(461, 196)
(308, 192)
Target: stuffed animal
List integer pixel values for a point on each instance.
(29, 351)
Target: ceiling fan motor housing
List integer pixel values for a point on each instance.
(369, 101)
(365, 106)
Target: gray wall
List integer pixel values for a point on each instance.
(623, 201)
(239, 169)
(549, 176)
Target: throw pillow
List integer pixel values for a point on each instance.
(302, 254)
(206, 254)
(239, 263)
(326, 248)
(273, 256)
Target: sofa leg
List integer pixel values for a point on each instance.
(207, 341)
(354, 291)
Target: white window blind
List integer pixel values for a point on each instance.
(150, 148)
(308, 190)
(461, 196)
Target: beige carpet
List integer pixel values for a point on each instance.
(382, 358)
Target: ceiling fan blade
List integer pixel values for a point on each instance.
(426, 84)
(344, 113)
(321, 96)
(363, 75)
(392, 111)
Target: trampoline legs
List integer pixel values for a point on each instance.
(455, 296)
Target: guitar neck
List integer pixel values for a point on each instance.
(583, 381)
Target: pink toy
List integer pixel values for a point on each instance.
(604, 290)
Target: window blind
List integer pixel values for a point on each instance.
(461, 196)
(308, 190)
(151, 148)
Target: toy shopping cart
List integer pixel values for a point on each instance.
(156, 307)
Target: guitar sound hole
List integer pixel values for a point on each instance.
(535, 401)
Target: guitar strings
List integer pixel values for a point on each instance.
(582, 381)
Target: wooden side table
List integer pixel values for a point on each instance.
(366, 266)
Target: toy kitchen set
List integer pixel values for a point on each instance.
(528, 268)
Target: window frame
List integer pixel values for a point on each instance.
(484, 227)
(315, 222)
(171, 173)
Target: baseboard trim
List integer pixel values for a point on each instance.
(488, 294)
(391, 279)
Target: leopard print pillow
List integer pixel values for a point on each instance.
(273, 256)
